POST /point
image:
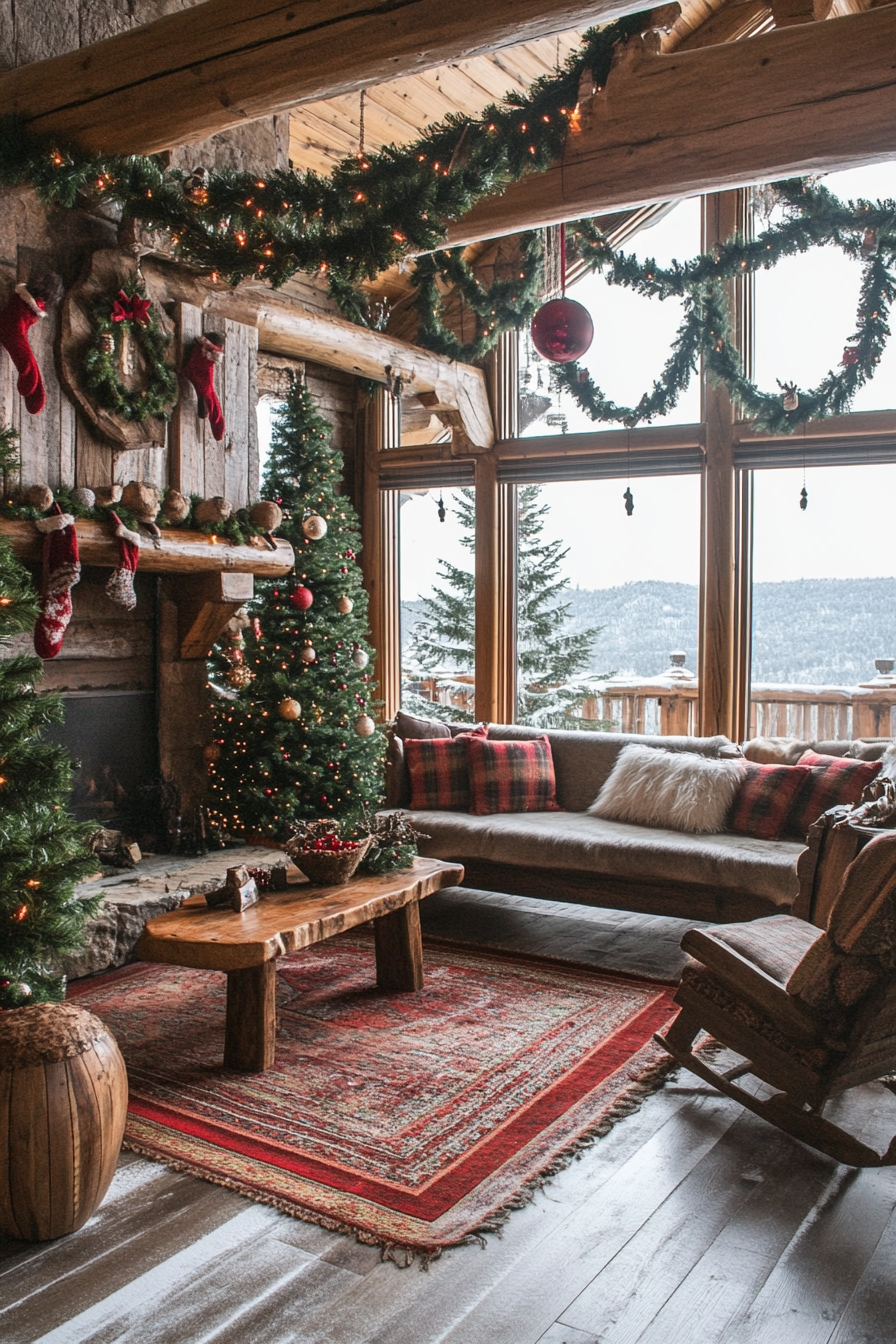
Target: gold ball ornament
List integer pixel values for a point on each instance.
(307, 653)
(212, 752)
(240, 677)
(364, 725)
(344, 604)
(359, 657)
(289, 708)
(314, 527)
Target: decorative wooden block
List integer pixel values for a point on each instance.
(240, 891)
(63, 1103)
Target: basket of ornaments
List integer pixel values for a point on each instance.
(324, 857)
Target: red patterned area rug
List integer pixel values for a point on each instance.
(416, 1121)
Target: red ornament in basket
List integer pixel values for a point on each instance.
(327, 860)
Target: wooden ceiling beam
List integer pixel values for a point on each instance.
(216, 65)
(810, 98)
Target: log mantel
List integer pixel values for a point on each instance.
(179, 552)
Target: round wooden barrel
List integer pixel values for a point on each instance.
(63, 1104)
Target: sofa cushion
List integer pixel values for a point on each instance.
(762, 804)
(398, 783)
(439, 771)
(583, 760)
(574, 840)
(680, 791)
(511, 776)
(832, 781)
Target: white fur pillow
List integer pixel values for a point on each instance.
(677, 790)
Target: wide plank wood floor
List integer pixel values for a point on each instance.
(692, 1222)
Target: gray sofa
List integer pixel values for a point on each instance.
(571, 856)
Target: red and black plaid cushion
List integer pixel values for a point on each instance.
(833, 781)
(511, 776)
(439, 771)
(763, 802)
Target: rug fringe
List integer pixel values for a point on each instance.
(403, 1256)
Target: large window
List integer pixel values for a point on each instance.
(824, 603)
(632, 337)
(607, 603)
(436, 588)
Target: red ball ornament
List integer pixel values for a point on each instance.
(301, 598)
(562, 330)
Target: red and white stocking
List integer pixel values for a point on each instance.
(21, 313)
(62, 570)
(200, 370)
(120, 587)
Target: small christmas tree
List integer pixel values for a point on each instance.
(550, 661)
(294, 740)
(43, 852)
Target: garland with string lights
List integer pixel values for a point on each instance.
(365, 216)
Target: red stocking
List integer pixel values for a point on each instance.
(62, 570)
(200, 369)
(20, 313)
(120, 588)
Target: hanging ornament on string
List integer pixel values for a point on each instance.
(344, 604)
(629, 501)
(359, 657)
(289, 709)
(790, 398)
(364, 725)
(628, 496)
(307, 652)
(301, 598)
(562, 329)
(441, 508)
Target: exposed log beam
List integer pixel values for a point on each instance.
(221, 63)
(809, 98)
(284, 328)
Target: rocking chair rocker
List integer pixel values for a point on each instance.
(811, 1012)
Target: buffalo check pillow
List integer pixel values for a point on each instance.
(832, 782)
(439, 771)
(762, 804)
(511, 776)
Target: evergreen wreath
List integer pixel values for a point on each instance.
(129, 311)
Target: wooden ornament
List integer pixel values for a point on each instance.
(214, 510)
(344, 604)
(175, 506)
(289, 709)
(142, 499)
(65, 1098)
(364, 725)
(39, 497)
(314, 527)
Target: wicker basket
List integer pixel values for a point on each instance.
(327, 869)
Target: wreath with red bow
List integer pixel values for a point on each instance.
(129, 312)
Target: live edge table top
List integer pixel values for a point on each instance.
(285, 921)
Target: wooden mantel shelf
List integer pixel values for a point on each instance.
(178, 552)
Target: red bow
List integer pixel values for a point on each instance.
(131, 308)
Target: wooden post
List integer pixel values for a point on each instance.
(487, 589)
(379, 557)
(718, 711)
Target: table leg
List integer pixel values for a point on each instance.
(399, 950)
(251, 1018)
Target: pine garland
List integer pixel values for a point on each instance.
(102, 378)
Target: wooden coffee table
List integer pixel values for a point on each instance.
(247, 945)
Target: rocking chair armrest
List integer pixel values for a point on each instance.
(743, 977)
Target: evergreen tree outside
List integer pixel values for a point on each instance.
(551, 690)
(270, 771)
(43, 851)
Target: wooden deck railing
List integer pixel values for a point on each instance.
(667, 706)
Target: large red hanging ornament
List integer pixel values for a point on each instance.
(562, 330)
(301, 598)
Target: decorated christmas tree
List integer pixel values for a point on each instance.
(294, 738)
(43, 852)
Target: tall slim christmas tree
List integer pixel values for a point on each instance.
(43, 851)
(294, 737)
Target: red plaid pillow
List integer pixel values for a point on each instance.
(439, 771)
(832, 781)
(764, 799)
(512, 776)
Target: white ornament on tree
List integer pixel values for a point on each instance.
(307, 653)
(344, 604)
(359, 657)
(364, 725)
(314, 527)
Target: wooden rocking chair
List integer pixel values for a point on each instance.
(811, 1012)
